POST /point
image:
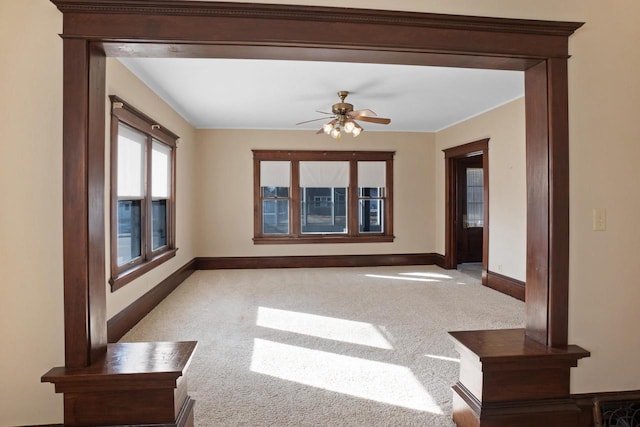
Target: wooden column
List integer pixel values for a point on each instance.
(537, 152)
(547, 152)
(558, 104)
(83, 202)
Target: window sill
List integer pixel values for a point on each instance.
(288, 240)
(127, 276)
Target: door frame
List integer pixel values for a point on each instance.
(94, 29)
(451, 166)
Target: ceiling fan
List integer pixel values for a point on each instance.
(344, 118)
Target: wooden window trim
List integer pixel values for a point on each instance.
(295, 235)
(122, 112)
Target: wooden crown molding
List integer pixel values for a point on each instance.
(317, 13)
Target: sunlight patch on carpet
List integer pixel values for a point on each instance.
(331, 328)
(428, 274)
(411, 279)
(448, 359)
(367, 379)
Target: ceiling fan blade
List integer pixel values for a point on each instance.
(312, 120)
(379, 120)
(324, 112)
(366, 112)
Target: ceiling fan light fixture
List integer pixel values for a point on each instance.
(357, 130)
(335, 133)
(349, 126)
(327, 128)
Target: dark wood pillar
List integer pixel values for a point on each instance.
(547, 202)
(83, 202)
(558, 104)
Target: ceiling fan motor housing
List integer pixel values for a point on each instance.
(342, 108)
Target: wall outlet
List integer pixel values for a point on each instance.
(599, 219)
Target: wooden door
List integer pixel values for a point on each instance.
(470, 209)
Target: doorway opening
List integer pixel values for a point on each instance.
(94, 30)
(467, 208)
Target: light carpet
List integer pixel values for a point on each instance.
(326, 346)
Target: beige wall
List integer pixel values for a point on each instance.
(505, 128)
(121, 82)
(225, 176)
(604, 99)
(31, 310)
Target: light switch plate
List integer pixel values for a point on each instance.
(599, 219)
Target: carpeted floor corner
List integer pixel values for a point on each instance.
(326, 346)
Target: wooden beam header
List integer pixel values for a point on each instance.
(312, 26)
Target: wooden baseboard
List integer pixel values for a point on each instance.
(222, 263)
(439, 260)
(119, 324)
(468, 411)
(506, 285)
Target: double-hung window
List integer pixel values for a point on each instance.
(372, 189)
(323, 196)
(142, 193)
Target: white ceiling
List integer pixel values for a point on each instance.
(265, 94)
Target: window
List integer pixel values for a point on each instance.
(142, 193)
(275, 178)
(475, 196)
(323, 196)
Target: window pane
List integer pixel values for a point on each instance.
(371, 192)
(129, 230)
(371, 216)
(275, 217)
(475, 196)
(158, 224)
(160, 170)
(130, 162)
(324, 210)
(275, 192)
